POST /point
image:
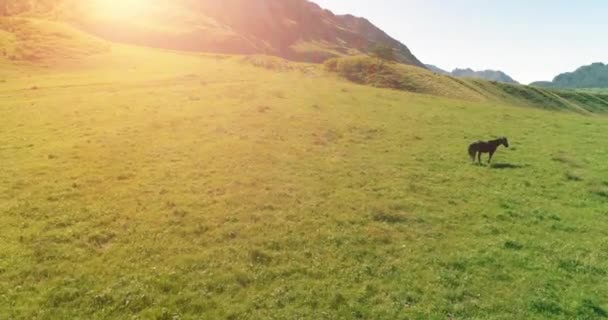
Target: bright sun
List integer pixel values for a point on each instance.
(121, 9)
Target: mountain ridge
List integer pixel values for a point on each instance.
(594, 75)
(298, 30)
(490, 75)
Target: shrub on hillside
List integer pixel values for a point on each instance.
(275, 63)
(268, 62)
(366, 70)
(383, 52)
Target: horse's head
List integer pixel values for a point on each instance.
(505, 142)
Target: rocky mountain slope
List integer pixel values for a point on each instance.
(490, 75)
(591, 76)
(294, 29)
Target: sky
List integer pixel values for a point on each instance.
(531, 40)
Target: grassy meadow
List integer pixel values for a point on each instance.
(142, 184)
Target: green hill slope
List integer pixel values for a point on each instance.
(371, 71)
(44, 42)
(35, 40)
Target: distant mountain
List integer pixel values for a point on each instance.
(591, 76)
(490, 75)
(293, 29)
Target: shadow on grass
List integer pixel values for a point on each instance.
(505, 166)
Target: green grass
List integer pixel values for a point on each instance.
(594, 90)
(156, 185)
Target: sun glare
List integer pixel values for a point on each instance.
(121, 9)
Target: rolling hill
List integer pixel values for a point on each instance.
(296, 29)
(45, 41)
(370, 71)
(591, 76)
(490, 75)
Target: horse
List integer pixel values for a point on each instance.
(477, 148)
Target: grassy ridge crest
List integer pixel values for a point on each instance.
(384, 74)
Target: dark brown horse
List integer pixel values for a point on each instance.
(477, 148)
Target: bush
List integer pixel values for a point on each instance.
(383, 52)
(366, 70)
(331, 65)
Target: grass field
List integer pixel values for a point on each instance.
(594, 90)
(142, 184)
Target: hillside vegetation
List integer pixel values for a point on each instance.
(34, 40)
(594, 90)
(16, 7)
(371, 71)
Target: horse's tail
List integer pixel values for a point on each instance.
(472, 151)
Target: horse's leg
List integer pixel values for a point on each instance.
(491, 155)
(479, 157)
